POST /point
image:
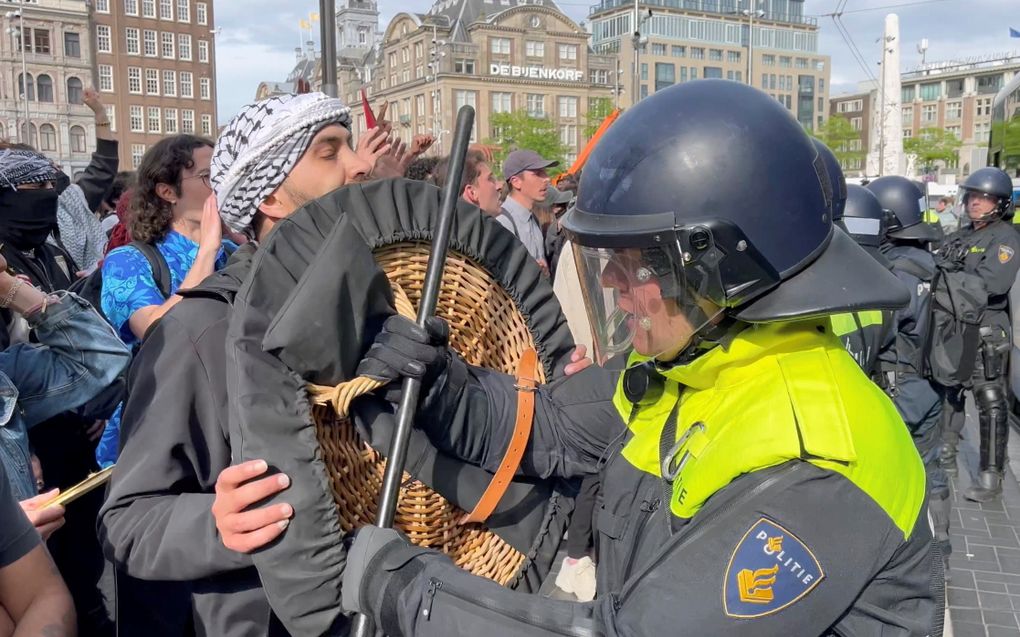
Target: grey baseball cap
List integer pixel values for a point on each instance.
(521, 160)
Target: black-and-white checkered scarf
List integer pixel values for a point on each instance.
(260, 146)
(19, 167)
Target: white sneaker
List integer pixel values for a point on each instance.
(577, 577)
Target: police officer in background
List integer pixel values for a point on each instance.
(987, 247)
(738, 422)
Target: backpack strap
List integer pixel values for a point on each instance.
(160, 268)
(504, 213)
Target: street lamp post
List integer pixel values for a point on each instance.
(639, 23)
(751, 14)
(327, 31)
(23, 133)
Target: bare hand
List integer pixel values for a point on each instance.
(92, 100)
(578, 361)
(242, 530)
(421, 143)
(483, 149)
(394, 162)
(380, 116)
(95, 432)
(211, 235)
(373, 145)
(45, 520)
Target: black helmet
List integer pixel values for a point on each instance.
(992, 182)
(714, 189)
(835, 177)
(864, 219)
(906, 202)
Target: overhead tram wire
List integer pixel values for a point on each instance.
(881, 8)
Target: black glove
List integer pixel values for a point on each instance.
(404, 349)
(362, 545)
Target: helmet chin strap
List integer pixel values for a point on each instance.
(705, 340)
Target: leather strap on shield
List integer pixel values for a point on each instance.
(527, 382)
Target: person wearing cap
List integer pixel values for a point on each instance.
(157, 524)
(528, 182)
(558, 201)
(755, 481)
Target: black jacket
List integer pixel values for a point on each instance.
(156, 523)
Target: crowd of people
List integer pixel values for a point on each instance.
(754, 365)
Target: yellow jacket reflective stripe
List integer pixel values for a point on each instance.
(843, 324)
(778, 392)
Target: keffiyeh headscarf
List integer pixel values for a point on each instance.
(260, 146)
(19, 167)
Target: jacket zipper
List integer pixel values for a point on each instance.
(703, 527)
(648, 509)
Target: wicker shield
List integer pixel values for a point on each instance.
(307, 314)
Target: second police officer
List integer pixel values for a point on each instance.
(738, 424)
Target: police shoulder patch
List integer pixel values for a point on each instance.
(1005, 253)
(770, 569)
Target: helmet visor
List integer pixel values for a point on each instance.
(640, 299)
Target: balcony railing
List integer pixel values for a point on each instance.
(720, 7)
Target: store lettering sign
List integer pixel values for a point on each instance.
(536, 72)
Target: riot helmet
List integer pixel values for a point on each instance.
(836, 177)
(707, 204)
(905, 202)
(864, 219)
(992, 184)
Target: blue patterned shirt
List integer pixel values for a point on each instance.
(129, 284)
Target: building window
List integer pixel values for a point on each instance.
(45, 89)
(929, 113)
(106, 78)
(205, 88)
(851, 106)
(713, 73)
(599, 76)
(907, 133)
(644, 91)
(184, 46)
(132, 41)
(697, 53)
(135, 119)
(715, 55)
(644, 71)
(155, 120)
(981, 131)
(534, 49)
(168, 45)
(72, 45)
(989, 84)
(184, 10)
(856, 123)
(149, 8)
(568, 135)
(954, 110)
(30, 135)
(568, 52)
(203, 51)
(149, 43)
(464, 98)
(907, 94)
(768, 60)
(954, 130)
(678, 51)
(658, 49)
(166, 9)
(908, 115)
(499, 46)
(111, 114)
(536, 105)
(75, 91)
(47, 138)
(152, 81)
(137, 152)
(188, 121)
(733, 57)
(931, 92)
(418, 51)
(102, 6)
(665, 75)
(104, 42)
(187, 84)
(170, 119)
(200, 13)
(466, 67)
(170, 83)
(78, 140)
(785, 61)
(362, 36)
(983, 106)
(568, 106)
(134, 80)
(501, 102)
(207, 125)
(131, 7)
(405, 54)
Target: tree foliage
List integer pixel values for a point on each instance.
(932, 145)
(839, 135)
(599, 108)
(518, 130)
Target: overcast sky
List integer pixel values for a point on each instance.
(258, 38)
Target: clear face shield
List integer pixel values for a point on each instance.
(641, 300)
(981, 207)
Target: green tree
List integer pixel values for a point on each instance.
(839, 135)
(932, 145)
(599, 108)
(518, 130)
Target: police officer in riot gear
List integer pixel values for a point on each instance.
(738, 422)
(987, 247)
(902, 358)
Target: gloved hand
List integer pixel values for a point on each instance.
(404, 349)
(362, 546)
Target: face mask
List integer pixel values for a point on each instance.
(61, 183)
(27, 217)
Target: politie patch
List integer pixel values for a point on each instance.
(1005, 254)
(769, 570)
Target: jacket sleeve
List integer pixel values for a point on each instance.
(778, 560)
(78, 356)
(999, 264)
(95, 182)
(157, 521)
(470, 413)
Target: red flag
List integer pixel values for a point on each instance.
(369, 115)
